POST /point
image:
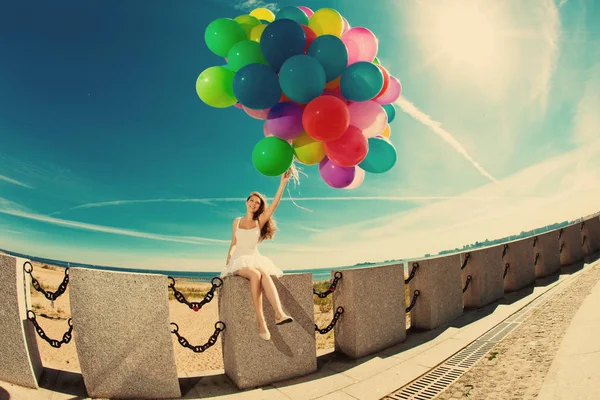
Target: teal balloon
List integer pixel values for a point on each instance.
(331, 52)
(281, 40)
(302, 78)
(381, 156)
(256, 86)
(293, 13)
(361, 81)
(390, 110)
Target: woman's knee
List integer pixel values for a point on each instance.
(250, 273)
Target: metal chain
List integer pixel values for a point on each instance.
(53, 342)
(581, 226)
(415, 267)
(562, 245)
(336, 277)
(534, 241)
(560, 232)
(49, 295)
(504, 251)
(537, 256)
(506, 270)
(583, 240)
(196, 305)
(464, 264)
(416, 294)
(469, 278)
(202, 348)
(338, 311)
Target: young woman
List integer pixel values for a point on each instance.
(244, 259)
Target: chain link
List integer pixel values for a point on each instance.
(535, 239)
(219, 327)
(416, 294)
(506, 270)
(196, 305)
(583, 240)
(36, 285)
(336, 277)
(415, 267)
(464, 264)
(581, 226)
(469, 278)
(504, 251)
(560, 232)
(53, 342)
(562, 245)
(537, 257)
(338, 311)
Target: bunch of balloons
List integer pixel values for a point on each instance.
(315, 81)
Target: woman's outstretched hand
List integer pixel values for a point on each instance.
(285, 177)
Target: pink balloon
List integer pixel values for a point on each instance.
(392, 93)
(257, 114)
(346, 27)
(359, 178)
(361, 43)
(238, 105)
(267, 133)
(369, 116)
(307, 11)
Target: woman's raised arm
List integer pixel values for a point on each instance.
(268, 213)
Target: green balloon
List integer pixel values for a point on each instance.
(244, 53)
(272, 156)
(214, 86)
(376, 61)
(221, 34)
(247, 22)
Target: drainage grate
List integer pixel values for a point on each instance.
(467, 357)
(429, 385)
(498, 332)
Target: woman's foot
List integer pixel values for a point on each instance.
(263, 332)
(283, 319)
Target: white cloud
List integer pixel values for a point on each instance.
(587, 117)
(14, 182)
(249, 5)
(435, 126)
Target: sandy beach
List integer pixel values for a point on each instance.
(195, 326)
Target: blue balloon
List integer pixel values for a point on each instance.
(281, 40)
(390, 110)
(331, 52)
(256, 86)
(361, 81)
(302, 78)
(293, 13)
(381, 156)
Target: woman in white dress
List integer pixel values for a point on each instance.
(244, 259)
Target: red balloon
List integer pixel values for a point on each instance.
(326, 118)
(310, 36)
(386, 81)
(349, 150)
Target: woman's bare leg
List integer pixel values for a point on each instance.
(254, 276)
(272, 294)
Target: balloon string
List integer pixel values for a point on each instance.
(295, 177)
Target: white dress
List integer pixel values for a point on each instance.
(246, 253)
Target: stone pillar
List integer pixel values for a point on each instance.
(520, 272)
(570, 245)
(591, 233)
(546, 258)
(374, 315)
(121, 326)
(440, 285)
(250, 361)
(486, 270)
(20, 361)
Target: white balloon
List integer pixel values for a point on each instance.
(359, 177)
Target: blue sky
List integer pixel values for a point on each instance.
(109, 157)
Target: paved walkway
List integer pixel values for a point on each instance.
(575, 372)
(373, 377)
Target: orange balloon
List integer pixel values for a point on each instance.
(387, 132)
(334, 84)
(386, 81)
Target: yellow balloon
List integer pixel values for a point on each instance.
(326, 21)
(247, 22)
(257, 32)
(264, 14)
(387, 132)
(308, 150)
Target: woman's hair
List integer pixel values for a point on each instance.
(269, 228)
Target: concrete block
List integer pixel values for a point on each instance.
(20, 361)
(250, 361)
(570, 245)
(440, 285)
(121, 326)
(546, 258)
(374, 315)
(591, 232)
(486, 270)
(521, 269)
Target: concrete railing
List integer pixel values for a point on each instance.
(122, 328)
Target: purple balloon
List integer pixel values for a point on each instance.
(285, 120)
(335, 176)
